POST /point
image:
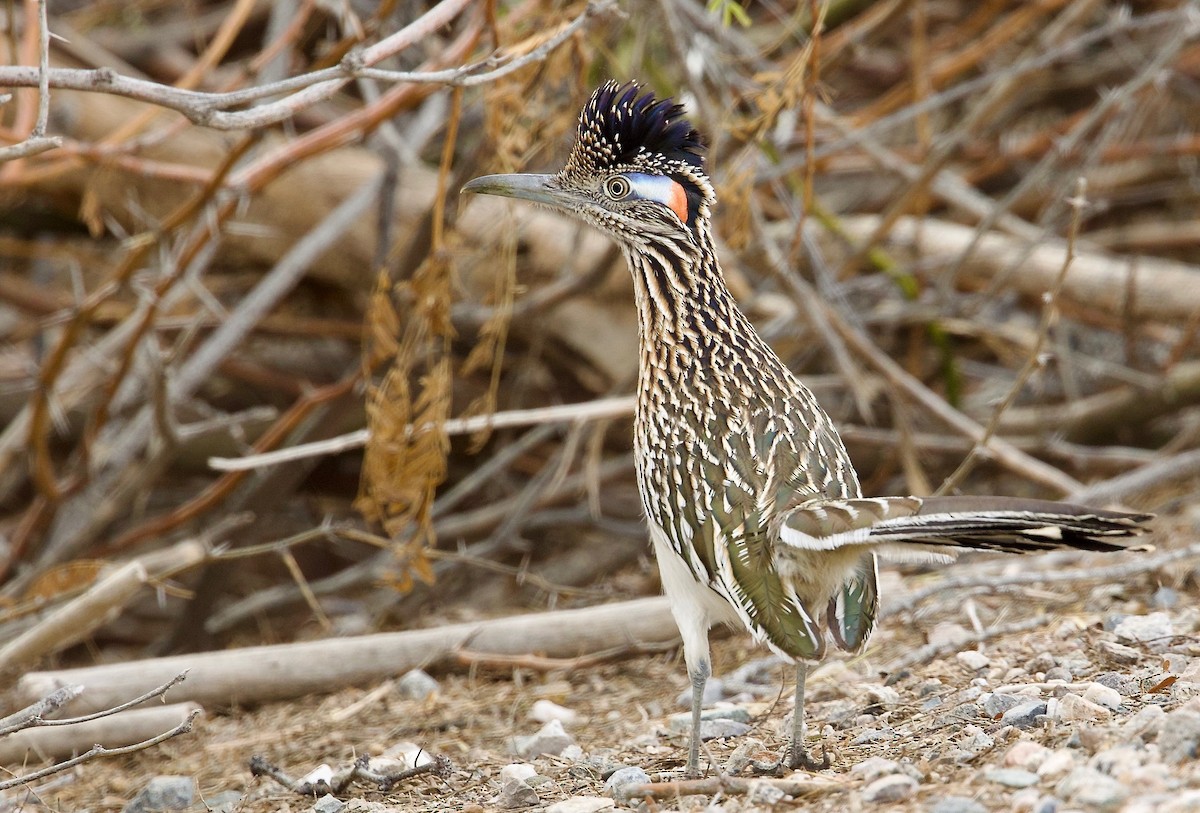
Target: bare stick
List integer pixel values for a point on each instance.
(1034, 359)
(1175, 469)
(269, 672)
(79, 617)
(1004, 452)
(1166, 289)
(111, 731)
(97, 751)
(47, 705)
(215, 109)
(38, 141)
(600, 409)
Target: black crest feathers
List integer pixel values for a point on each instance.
(622, 125)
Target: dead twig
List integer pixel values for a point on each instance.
(1034, 360)
(97, 751)
(338, 782)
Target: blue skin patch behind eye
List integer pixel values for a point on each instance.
(660, 189)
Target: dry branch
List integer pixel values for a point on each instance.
(1144, 287)
(255, 674)
(120, 730)
(78, 618)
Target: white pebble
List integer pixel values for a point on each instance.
(1073, 708)
(893, 788)
(544, 711)
(581, 804)
(519, 771)
(1099, 693)
(973, 660)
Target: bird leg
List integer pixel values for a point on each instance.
(699, 675)
(794, 756)
(797, 757)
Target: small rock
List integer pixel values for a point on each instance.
(625, 776)
(409, 754)
(1145, 724)
(1119, 652)
(573, 753)
(1179, 736)
(1105, 696)
(1124, 685)
(226, 801)
(163, 793)
(551, 739)
(1164, 598)
(957, 804)
(581, 804)
(892, 788)
(883, 695)
(1041, 662)
(1074, 709)
(998, 703)
(872, 768)
(948, 634)
(973, 659)
(1012, 777)
(544, 711)
(519, 771)
(417, 685)
(714, 692)
(1024, 714)
(975, 740)
(1091, 788)
(321, 773)
(1153, 629)
(680, 723)
(871, 735)
(1059, 673)
(721, 728)
(1057, 763)
(763, 795)
(1026, 754)
(516, 793)
(328, 804)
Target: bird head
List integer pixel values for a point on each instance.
(636, 171)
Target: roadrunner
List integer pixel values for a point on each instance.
(755, 511)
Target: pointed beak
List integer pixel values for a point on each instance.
(536, 188)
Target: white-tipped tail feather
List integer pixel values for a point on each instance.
(897, 524)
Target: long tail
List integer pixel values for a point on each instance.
(1011, 525)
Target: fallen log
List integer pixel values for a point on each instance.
(260, 673)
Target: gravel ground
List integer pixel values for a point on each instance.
(1090, 701)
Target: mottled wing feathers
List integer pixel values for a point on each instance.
(851, 614)
(622, 125)
(748, 577)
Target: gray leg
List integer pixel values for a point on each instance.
(699, 675)
(796, 756)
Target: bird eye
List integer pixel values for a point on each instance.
(617, 187)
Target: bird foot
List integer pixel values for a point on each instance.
(793, 758)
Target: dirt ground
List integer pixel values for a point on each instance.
(928, 721)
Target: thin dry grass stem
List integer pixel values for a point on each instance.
(1034, 361)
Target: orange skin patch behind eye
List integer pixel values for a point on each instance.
(660, 189)
(677, 201)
